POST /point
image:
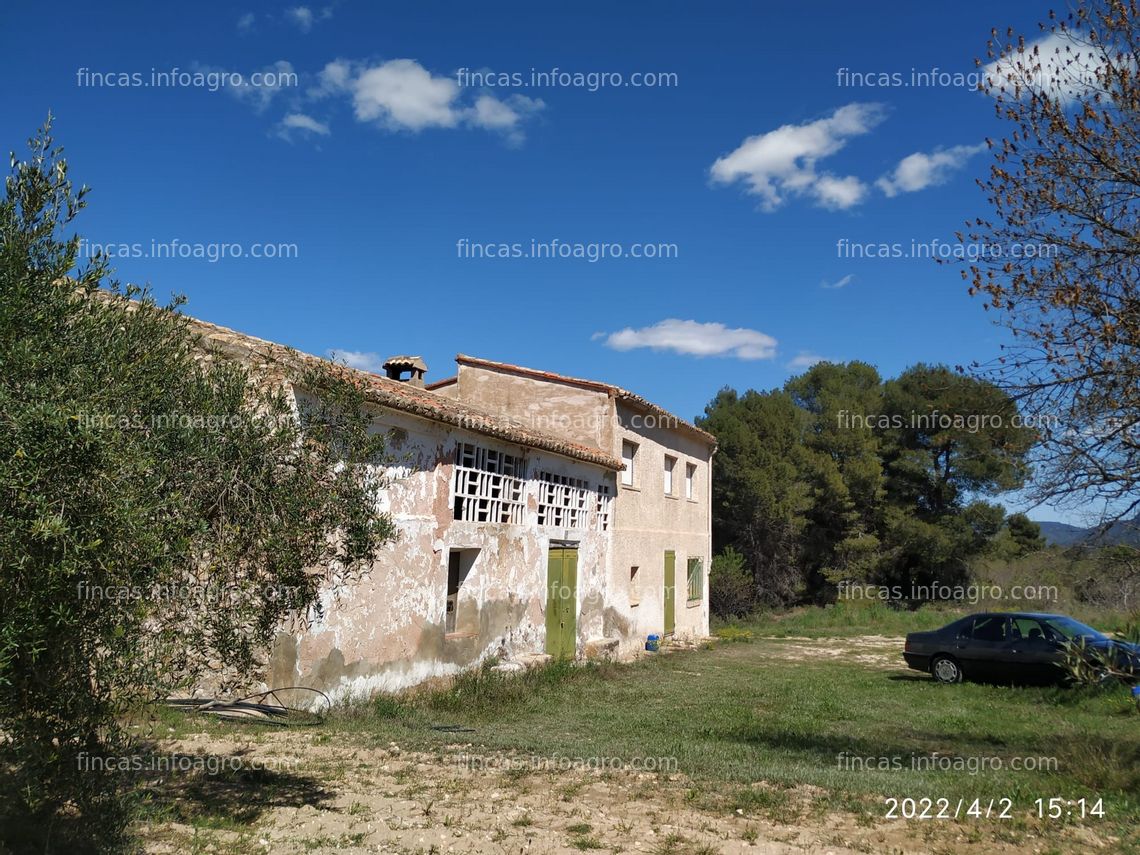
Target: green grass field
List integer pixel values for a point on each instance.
(742, 712)
(738, 713)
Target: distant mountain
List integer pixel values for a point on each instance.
(1063, 534)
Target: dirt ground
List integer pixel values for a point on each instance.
(355, 798)
(873, 651)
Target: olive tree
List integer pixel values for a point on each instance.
(161, 515)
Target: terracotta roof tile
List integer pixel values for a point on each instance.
(406, 398)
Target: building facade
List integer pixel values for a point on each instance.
(538, 515)
(661, 544)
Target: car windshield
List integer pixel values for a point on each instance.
(1074, 629)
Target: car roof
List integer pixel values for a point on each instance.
(1018, 615)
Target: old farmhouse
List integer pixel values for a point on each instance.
(538, 515)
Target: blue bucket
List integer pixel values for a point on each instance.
(653, 643)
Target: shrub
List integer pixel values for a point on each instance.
(732, 591)
(119, 524)
(733, 633)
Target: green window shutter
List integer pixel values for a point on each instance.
(696, 579)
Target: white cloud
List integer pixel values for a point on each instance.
(335, 77)
(505, 116)
(839, 283)
(782, 163)
(245, 22)
(302, 16)
(302, 122)
(805, 359)
(1055, 65)
(401, 94)
(695, 339)
(839, 193)
(280, 74)
(918, 171)
(490, 112)
(358, 359)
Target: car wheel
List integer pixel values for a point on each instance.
(946, 670)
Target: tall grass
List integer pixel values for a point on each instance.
(483, 692)
(848, 617)
(875, 617)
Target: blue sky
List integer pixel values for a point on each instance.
(750, 164)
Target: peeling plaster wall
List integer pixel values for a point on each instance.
(387, 631)
(579, 415)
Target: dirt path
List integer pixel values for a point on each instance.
(875, 651)
(392, 801)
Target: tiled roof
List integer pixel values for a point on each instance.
(608, 388)
(403, 397)
(406, 362)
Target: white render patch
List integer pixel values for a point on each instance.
(391, 681)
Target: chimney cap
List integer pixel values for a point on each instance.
(396, 366)
(405, 362)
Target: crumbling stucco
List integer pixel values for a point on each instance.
(386, 632)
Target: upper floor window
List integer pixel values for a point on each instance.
(670, 464)
(690, 476)
(628, 455)
(488, 485)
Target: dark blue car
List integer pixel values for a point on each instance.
(1013, 647)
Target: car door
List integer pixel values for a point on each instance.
(1030, 656)
(980, 649)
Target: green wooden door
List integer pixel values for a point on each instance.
(562, 602)
(670, 592)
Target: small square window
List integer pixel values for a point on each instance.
(628, 453)
(670, 463)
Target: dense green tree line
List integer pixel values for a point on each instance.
(842, 476)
